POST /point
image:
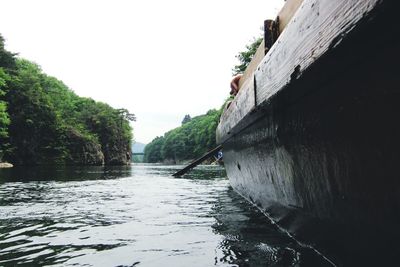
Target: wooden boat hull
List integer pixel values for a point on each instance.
(320, 155)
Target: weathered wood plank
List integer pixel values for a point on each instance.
(197, 161)
(287, 13)
(243, 104)
(257, 58)
(318, 25)
(284, 16)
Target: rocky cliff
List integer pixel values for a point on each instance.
(83, 151)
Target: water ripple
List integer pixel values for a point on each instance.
(137, 216)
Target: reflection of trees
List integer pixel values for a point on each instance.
(63, 173)
(205, 173)
(249, 239)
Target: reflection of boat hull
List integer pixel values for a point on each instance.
(323, 150)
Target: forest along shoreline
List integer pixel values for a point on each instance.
(183, 144)
(43, 122)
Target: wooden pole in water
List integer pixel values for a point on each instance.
(197, 162)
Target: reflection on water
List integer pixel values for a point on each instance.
(66, 173)
(135, 216)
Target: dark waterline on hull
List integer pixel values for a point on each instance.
(136, 216)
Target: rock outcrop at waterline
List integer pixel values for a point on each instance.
(79, 150)
(83, 151)
(5, 165)
(114, 155)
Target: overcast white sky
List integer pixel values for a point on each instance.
(160, 59)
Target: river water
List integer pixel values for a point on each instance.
(137, 215)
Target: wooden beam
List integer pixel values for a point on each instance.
(287, 12)
(245, 100)
(272, 30)
(270, 34)
(197, 162)
(258, 56)
(243, 104)
(318, 27)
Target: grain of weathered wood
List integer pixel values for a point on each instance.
(287, 12)
(197, 161)
(242, 105)
(270, 36)
(317, 26)
(258, 56)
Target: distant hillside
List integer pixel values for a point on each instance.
(192, 139)
(138, 147)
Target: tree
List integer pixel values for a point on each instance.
(152, 151)
(35, 127)
(7, 63)
(189, 141)
(4, 118)
(42, 121)
(186, 119)
(7, 59)
(246, 56)
(126, 115)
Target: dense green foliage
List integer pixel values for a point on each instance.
(7, 64)
(4, 119)
(194, 138)
(42, 121)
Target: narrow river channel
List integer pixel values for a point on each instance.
(135, 216)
